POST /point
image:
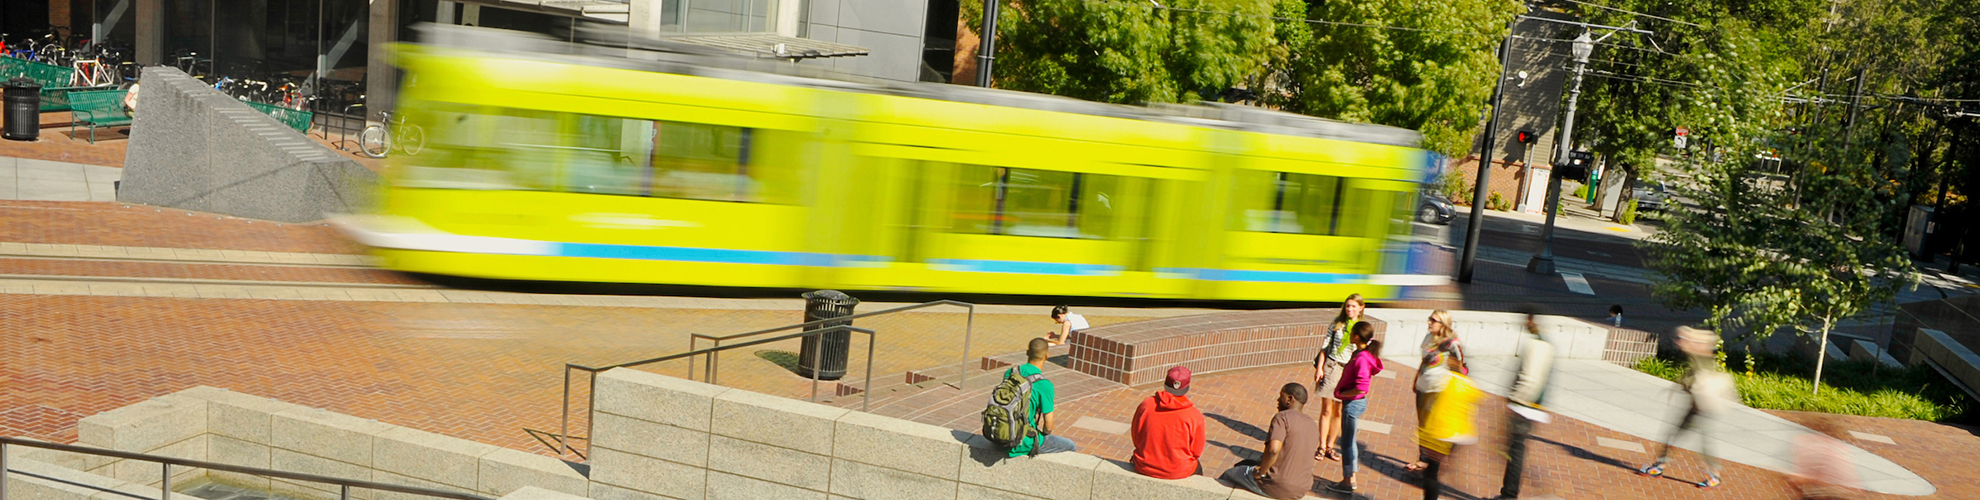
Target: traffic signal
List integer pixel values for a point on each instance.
(1525, 137)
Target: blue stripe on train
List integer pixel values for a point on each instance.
(1024, 267)
(1266, 276)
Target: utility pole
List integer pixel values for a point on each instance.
(1468, 260)
(988, 54)
(1544, 262)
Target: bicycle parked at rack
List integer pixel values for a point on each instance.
(391, 133)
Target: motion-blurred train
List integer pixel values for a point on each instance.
(582, 163)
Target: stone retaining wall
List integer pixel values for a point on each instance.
(195, 148)
(217, 425)
(662, 437)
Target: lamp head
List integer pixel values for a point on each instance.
(1583, 45)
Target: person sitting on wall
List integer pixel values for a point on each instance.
(1285, 468)
(1168, 431)
(1068, 323)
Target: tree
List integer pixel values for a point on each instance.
(1427, 66)
(1128, 52)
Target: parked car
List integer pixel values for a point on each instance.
(1434, 208)
(1650, 196)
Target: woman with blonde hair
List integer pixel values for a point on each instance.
(1335, 350)
(1442, 355)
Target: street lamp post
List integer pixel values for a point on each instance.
(987, 44)
(1543, 263)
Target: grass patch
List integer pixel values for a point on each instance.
(1848, 388)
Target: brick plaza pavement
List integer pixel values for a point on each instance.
(476, 371)
(1567, 458)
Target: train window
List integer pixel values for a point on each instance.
(1042, 203)
(485, 148)
(1282, 202)
(608, 156)
(712, 162)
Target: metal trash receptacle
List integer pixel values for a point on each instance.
(828, 350)
(23, 109)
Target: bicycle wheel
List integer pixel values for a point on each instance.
(412, 139)
(374, 142)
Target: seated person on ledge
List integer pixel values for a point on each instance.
(1285, 469)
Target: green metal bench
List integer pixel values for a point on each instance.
(54, 81)
(98, 108)
(295, 119)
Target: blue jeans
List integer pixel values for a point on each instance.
(1241, 476)
(1351, 450)
(1053, 444)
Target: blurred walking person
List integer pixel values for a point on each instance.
(1335, 350)
(1822, 467)
(1712, 393)
(1529, 389)
(1357, 377)
(1443, 358)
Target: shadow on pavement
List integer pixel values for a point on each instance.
(1248, 430)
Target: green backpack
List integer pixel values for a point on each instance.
(1007, 419)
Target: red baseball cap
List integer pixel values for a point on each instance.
(1178, 383)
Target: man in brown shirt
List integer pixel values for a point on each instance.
(1285, 470)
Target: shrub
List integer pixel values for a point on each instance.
(1628, 215)
(1497, 202)
(1848, 388)
(1581, 192)
(1453, 188)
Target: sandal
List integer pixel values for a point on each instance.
(1328, 454)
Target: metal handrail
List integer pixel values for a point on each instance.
(564, 438)
(592, 393)
(166, 463)
(969, 327)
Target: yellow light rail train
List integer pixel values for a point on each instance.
(647, 166)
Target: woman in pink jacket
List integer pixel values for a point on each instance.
(1356, 377)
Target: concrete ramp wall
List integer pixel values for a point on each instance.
(195, 148)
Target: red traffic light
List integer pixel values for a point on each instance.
(1525, 137)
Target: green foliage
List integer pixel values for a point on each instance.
(1499, 203)
(1451, 185)
(1851, 388)
(1581, 192)
(1126, 52)
(1628, 215)
(1434, 79)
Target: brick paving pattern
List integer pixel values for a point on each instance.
(55, 144)
(475, 371)
(1564, 458)
(202, 271)
(107, 223)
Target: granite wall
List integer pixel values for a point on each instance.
(195, 148)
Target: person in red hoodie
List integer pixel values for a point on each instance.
(1168, 431)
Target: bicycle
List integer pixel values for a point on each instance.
(91, 73)
(392, 132)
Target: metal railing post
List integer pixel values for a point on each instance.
(815, 368)
(591, 412)
(345, 494)
(867, 402)
(165, 485)
(3, 471)
(694, 345)
(969, 329)
(564, 436)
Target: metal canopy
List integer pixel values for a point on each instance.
(616, 12)
(771, 45)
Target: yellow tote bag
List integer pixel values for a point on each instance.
(1450, 422)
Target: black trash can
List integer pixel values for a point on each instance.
(23, 109)
(830, 348)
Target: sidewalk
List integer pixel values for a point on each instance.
(1642, 405)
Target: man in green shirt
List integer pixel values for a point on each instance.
(1042, 394)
